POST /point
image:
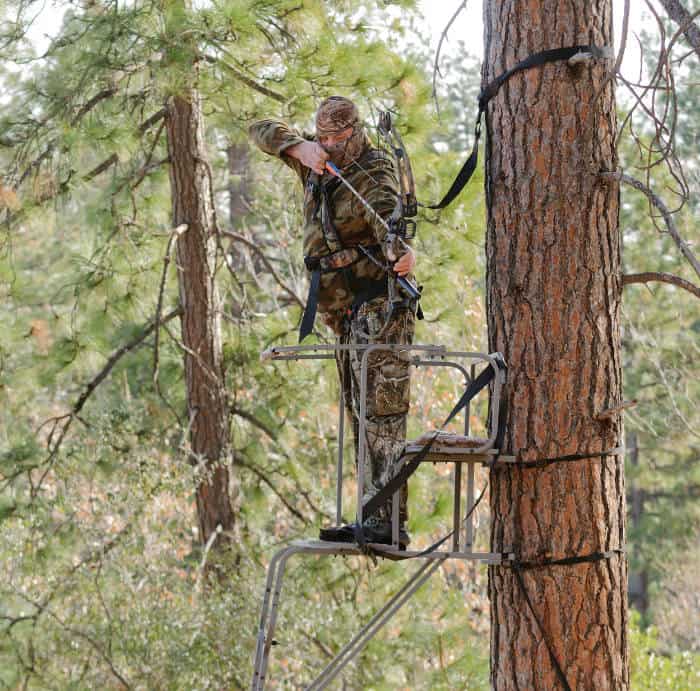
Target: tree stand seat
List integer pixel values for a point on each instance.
(454, 448)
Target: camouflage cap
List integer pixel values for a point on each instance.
(335, 114)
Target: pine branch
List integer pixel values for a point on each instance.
(237, 74)
(61, 424)
(100, 168)
(256, 422)
(663, 277)
(261, 476)
(268, 264)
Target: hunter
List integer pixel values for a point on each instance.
(354, 295)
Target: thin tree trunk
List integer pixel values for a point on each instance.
(553, 298)
(238, 157)
(201, 332)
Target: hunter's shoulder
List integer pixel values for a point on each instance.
(377, 157)
(378, 166)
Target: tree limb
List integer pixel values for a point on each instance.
(684, 19)
(245, 79)
(436, 66)
(64, 421)
(665, 213)
(663, 277)
(256, 422)
(174, 235)
(237, 237)
(261, 476)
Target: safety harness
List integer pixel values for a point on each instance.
(340, 258)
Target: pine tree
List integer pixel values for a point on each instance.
(553, 301)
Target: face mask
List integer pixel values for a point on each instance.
(344, 153)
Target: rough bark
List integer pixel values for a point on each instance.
(553, 298)
(201, 334)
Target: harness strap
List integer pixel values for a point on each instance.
(307, 321)
(491, 89)
(329, 263)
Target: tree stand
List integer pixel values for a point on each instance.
(447, 448)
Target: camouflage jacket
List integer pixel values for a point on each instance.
(374, 178)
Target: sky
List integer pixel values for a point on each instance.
(469, 27)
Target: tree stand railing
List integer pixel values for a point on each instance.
(449, 448)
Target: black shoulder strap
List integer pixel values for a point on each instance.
(490, 90)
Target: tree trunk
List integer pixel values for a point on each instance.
(238, 157)
(553, 299)
(201, 330)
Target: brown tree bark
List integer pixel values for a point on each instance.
(553, 299)
(201, 330)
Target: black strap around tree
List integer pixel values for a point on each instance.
(520, 566)
(490, 90)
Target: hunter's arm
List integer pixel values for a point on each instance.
(274, 137)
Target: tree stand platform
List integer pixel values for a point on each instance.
(446, 448)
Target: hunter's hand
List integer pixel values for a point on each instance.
(310, 154)
(406, 263)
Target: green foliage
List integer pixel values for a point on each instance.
(106, 582)
(655, 670)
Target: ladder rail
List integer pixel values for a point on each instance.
(350, 651)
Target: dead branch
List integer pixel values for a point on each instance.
(612, 413)
(665, 213)
(623, 38)
(174, 235)
(663, 277)
(436, 66)
(685, 21)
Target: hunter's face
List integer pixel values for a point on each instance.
(335, 141)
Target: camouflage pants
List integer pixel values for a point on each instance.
(388, 392)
